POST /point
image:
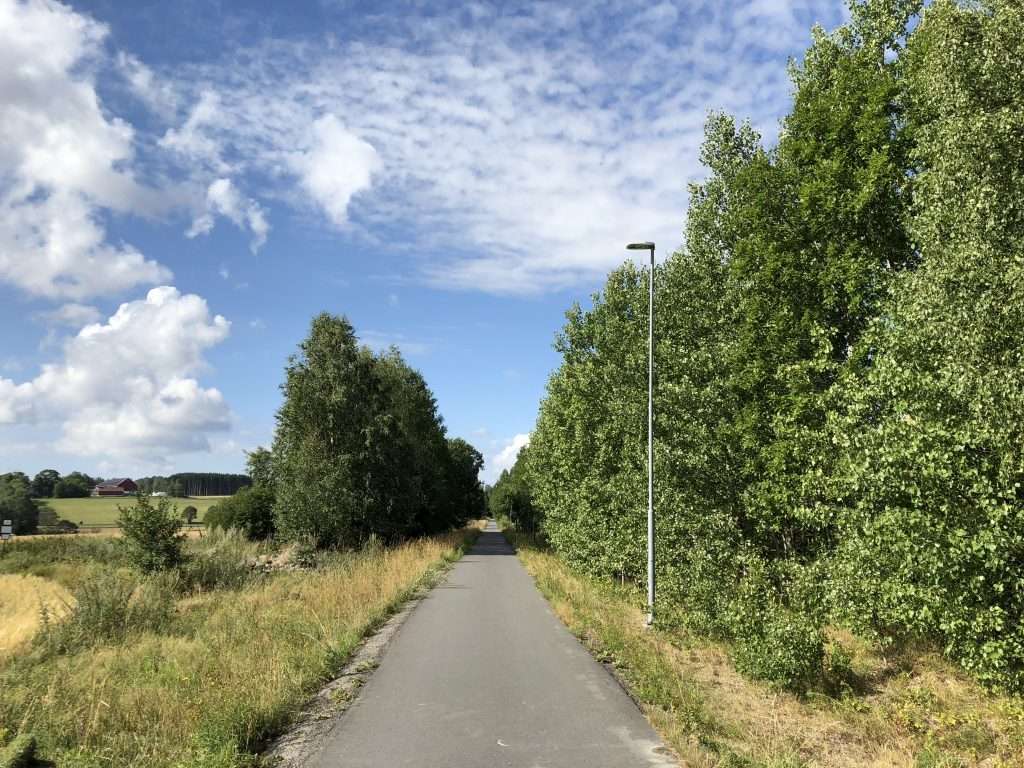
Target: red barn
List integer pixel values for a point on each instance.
(122, 486)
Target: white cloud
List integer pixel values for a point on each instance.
(127, 387)
(62, 160)
(71, 315)
(224, 199)
(521, 150)
(505, 458)
(195, 140)
(380, 341)
(158, 95)
(525, 148)
(336, 165)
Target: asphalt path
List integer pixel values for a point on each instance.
(481, 674)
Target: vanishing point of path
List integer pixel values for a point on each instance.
(483, 674)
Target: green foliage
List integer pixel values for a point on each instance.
(16, 503)
(19, 753)
(151, 534)
(43, 556)
(250, 510)
(465, 493)
(220, 560)
(108, 608)
(840, 398)
(44, 482)
(74, 486)
(930, 459)
(185, 484)
(360, 449)
(510, 498)
(260, 465)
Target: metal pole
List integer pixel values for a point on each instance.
(650, 448)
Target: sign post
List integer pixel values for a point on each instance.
(6, 531)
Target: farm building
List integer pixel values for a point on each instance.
(119, 487)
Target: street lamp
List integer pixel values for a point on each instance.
(650, 433)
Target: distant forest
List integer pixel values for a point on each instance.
(194, 484)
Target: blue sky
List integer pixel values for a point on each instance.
(184, 185)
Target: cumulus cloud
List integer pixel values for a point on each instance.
(127, 387)
(63, 161)
(505, 458)
(337, 165)
(224, 199)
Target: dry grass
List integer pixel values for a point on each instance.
(911, 711)
(233, 669)
(22, 599)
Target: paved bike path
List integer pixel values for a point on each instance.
(483, 674)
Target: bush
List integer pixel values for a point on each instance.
(109, 607)
(38, 556)
(151, 534)
(16, 503)
(20, 753)
(782, 647)
(219, 561)
(250, 510)
(71, 488)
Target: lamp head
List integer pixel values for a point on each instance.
(640, 247)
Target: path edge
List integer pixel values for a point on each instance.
(306, 736)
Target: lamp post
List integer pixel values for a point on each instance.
(650, 432)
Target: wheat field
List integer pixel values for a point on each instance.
(21, 600)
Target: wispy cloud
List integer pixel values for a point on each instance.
(379, 341)
(516, 146)
(525, 143)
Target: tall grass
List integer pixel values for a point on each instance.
(22, 599)
(229, 668)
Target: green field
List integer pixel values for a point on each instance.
(96, 511)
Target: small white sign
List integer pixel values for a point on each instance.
(6, 530)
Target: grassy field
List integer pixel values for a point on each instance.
(21, 598)
(910, 710)
(199, 667)
(103, 510)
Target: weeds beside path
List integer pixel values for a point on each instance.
(915, 711)
(229, 668)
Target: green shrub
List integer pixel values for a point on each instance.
(19, 753)
(16, 503)
(108, 607)
(40, 556)
(781, 647)
(152, 534)
(220, 560)
(250, 510)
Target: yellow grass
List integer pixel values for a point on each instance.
(235, 667)
(21, 600)
(915, 711)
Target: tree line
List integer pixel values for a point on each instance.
(184, 484)
(359, 452)
(840, 387)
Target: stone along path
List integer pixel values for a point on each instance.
(483, 674)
